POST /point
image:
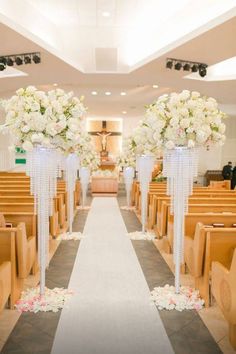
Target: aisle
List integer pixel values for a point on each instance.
(111, 311)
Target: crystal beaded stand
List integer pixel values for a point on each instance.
(128, 178)
(84, 174)
(43, 169)
(180, 167)
(71, 168)
(144, 166)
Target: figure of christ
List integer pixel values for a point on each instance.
(104, 136)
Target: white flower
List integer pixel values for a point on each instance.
(184, 123)
(37, 138)
(169, 145)
(25, 129)
(27, 146)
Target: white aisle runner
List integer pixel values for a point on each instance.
(111, 311)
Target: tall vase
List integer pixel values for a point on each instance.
(145, 165)
(180, 167)
(128, 177)
(42, 167)
(84, 173)
(71, 167)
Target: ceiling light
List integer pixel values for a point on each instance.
(202, 70)
(18, 61)
(36, 58)
(124, 112)
(194, 68)
(169, 64)
(123, 93)
(186, 67)
(106, 14)
(55, 84)
(154, 86)
(107, 93)
(10, 62)
(178, 66)
(2, 64)
(94, 93)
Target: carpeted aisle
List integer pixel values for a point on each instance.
(111, 311)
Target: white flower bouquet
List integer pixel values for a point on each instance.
(87, 154)
(126, 159)
(186, 119)
(50, 119)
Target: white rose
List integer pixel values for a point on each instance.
(184, 123)
(25, 129)
(169, 144)
(184, 95)
(27, 146)
(37, 138)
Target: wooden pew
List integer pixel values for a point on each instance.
(190, 223)
(28, 218)
(196, 205)
(224, 290)
(219, 247)
(8, 254)
(29, 207)
(5, 282)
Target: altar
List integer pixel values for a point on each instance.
(104, 185)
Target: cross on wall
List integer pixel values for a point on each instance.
(104, 133)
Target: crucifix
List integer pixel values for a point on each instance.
(104, 134)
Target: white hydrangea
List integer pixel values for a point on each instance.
(186, 119)
(52, 119)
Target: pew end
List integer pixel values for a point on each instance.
(223, 290)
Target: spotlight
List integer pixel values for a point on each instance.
(27, 59)
(178, 66)
(36, 58)
(169, 64)
(194, 68)
(18, 61)
(186, 67)
(2, 64)
(202, 70)
(10, 62)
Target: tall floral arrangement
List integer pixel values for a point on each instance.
(86, 151)
(186, 119)
(50, 119)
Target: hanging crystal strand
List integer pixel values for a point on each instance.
(71, 167)
(180, 167)
(84, 174)
(43, 171)
(128, 177)
(145, 166)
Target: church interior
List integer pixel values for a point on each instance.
(117, 177)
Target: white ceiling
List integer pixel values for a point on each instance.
(84, 51)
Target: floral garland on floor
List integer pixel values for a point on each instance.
(53, 300)
(166, 299)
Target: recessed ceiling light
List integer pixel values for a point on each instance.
(106, 14)
(123, 93)
(155, 86)
(107, 93)
(124, 112)
(55, 84)
(94, 93)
